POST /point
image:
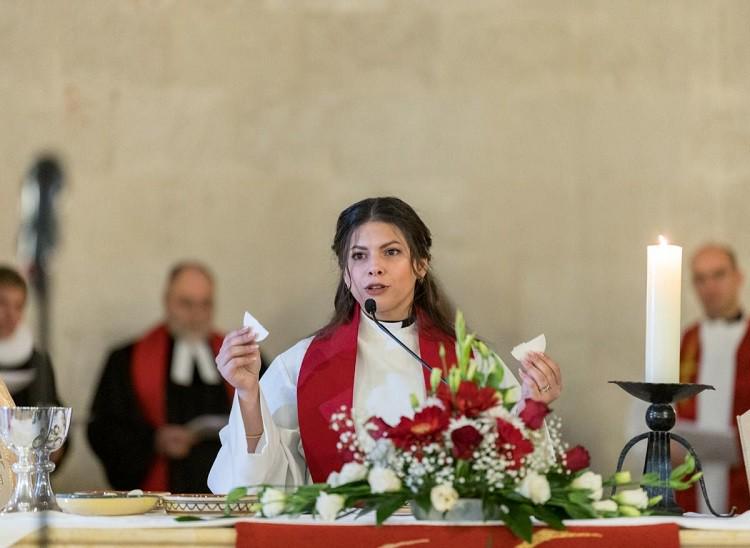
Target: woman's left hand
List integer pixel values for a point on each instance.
(541, 379)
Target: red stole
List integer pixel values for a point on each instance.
(690, 358)
(149, 370)
(326, 382)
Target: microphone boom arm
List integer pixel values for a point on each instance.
(370, 307)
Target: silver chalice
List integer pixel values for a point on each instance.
(32, 433)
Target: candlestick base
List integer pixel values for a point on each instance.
(660, 418)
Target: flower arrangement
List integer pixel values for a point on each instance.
(469, 439)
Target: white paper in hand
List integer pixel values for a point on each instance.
(538, 344)
(260, 332)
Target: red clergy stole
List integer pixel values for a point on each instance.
(326, 382)
(149, 371)
(690, 359)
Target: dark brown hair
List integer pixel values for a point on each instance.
(428, 297)
(9, 277)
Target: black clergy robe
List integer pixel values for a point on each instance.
(42, 389)
(123, 439)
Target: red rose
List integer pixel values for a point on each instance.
(377, 427)
(577, 458)
(533, 413)
(512, 444)
(470, 400)
(465, 440)
(424, 428)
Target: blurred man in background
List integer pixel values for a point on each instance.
(161, 402)
(716, 351)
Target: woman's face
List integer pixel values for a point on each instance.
(380, 267)
(12, 302)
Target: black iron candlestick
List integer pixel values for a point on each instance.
(660, 418)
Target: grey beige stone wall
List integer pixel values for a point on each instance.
(545, 143)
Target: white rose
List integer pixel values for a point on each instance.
(632, 497)
(534, 487)
(383, 480)
(591, 481)
(443, 497)
(333, 479)
(272, 502)
(352, 471)
(328, 506)
(605, 506)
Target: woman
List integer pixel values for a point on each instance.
(26, 371)
(278, 428)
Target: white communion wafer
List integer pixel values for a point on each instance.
(260, 332)
(537, 344)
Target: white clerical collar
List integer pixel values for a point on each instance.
(16, 349)
(186, 356)
(734, 322)
(392, 326)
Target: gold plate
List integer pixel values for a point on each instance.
(106, 504)
(206, 504)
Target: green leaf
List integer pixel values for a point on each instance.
(414, 401)
(364, 511)
(484, 351)
(236, 494)
(577, 511)
(435, 378)
(651, 479)
(695, 477)
(580, 497)
(462, 468)
(466, 354)
(683, 469)
(388, 507)
(490, 508)
(460, 327)
(423, 500)
(454, 379)
(572, 509)
(548, 516)
(493, 380)
(500, 366)
(519, 522)
(188, 518)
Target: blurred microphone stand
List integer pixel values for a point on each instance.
(38, 235)
(37, 239)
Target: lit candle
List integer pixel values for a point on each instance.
(663, 291)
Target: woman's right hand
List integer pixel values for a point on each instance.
(239, 361)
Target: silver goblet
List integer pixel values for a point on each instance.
(59, 421)
(31, 433)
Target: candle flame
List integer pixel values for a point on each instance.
(662, 240)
